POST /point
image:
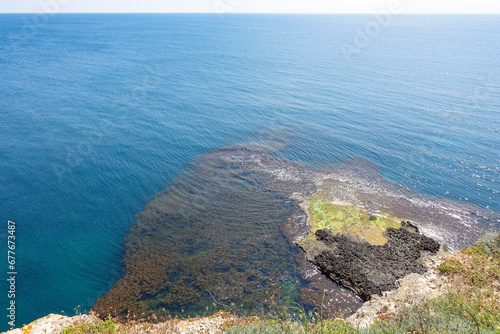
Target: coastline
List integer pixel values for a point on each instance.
(412, 289)
(242, 207)
(465, 283)
(294, 184)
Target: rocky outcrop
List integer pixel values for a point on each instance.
(53, 323)
(370, 269)
(412, 289)
(223, 234)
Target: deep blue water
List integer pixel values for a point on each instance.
(100, 112)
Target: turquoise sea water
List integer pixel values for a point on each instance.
(100, 112)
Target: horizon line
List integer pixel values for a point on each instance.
(266, 13)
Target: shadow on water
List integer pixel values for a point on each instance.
(223, 235)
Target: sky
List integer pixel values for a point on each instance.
(251, 6)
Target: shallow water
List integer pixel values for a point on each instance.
(216, 240)
(225, 234)
(100, 112)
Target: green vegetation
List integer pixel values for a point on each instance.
(447, 314)
(347, 219)
(293, 328)
(476, 279)
(104, 327)
(446, 268)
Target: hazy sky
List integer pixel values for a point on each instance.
(251, 6)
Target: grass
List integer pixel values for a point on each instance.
(347, 219)
(446, 268)
(476, 279)
(104, 327)
(447, 314)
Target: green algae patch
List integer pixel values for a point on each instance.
(346, 219)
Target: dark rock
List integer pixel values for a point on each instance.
(372, 218)
(368, 269)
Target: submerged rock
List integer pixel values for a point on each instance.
(224, 235)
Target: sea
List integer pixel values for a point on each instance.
(99, 112)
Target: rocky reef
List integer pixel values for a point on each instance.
(225, 235)
(364, 253)
(370, 269)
